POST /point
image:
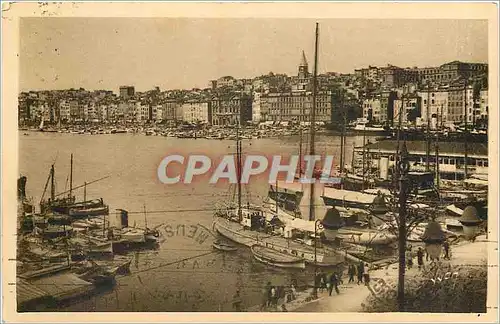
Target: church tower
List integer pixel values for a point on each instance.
(303, 68)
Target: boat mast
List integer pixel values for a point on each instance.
(437, 156)
(466, 137)
(428, 140)
(300, 153)
(238, 161)
(276, 197)
(52, 184)
(78, 187)
(145, 218)
(46, 185)
(313, 121)
(364, 153)
(71, 177)
(84, 194)
(342, 135)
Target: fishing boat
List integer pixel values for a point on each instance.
(118, 266)
(64, 208)
(223, 246)
(125, 238)
(277, 259)
(62, 205)
(362, 125)
(54, 231)
(84, 212)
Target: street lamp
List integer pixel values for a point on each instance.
(403, 168)
(470, 222)
(378, 206)
(331, 224)
(317, 226)
(433, 238)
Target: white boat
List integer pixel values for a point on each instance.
(132, 235)
(361, 125)
(454, 210)
(366, 236)
(277, 259)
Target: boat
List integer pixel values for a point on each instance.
(223, 246)
(277, 259)
(54, 231)
(84, 212)
(361, 125)
(125, 238)
(64, 208)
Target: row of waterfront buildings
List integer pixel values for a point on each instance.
(451, 93)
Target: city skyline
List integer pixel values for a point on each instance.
(175, 53)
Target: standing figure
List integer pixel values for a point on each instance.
(334, 282)
(367, 275)
(351, 272)
(269, 294)
(446, 247)
(420, 258)
(361, 272)
(274, 297)
(237, 301)
(409, 258)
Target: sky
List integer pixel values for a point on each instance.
(185, 53)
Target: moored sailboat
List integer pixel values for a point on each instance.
(254, 226)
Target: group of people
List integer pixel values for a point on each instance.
(324, 282)
(332, 282)
(271, 294)
(360, 271)
(420, 255)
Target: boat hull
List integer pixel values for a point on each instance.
(236, 233)
(292, 264)
(104, 210)
(224, 248)
(65, 208)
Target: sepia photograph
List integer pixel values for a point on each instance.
(251, 163)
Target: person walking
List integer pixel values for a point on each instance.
(361, 272)
(269, 296)
(322, 278)
(446, 247)
(274, 297)
(420, 258)
(265, 296)
(367, 275)
(333, 283)
(340, 274)
(237, 301)
(351, 272)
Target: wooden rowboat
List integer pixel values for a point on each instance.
(96, 211)
(276, 258)
(222, 246)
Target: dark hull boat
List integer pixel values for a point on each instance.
(223, 246)
(65, 208)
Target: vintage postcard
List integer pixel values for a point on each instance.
(199, 161)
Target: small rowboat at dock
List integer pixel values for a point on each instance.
(277, 259)
(223, 246)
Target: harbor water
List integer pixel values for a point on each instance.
(185, 273)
